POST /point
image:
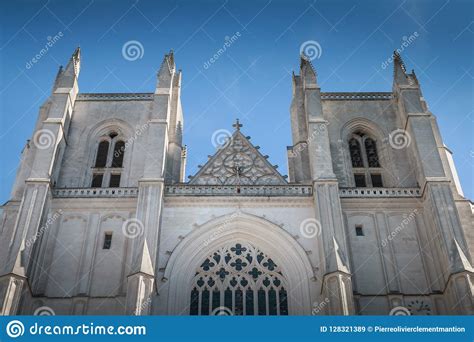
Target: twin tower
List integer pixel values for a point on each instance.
(371, 218)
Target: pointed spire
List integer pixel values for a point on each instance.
(166, 71)
(307, 71)
(66, 78)
(459, 261)
(399, 70)
(144, 264)
(73, 67)
(341, 263)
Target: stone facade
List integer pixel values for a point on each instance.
(101, 220)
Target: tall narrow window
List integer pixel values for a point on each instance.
(356, 155)
(371, 150)
(365, 161)
(119, 150)
(107, 241)
(242, 279)
(102, 151)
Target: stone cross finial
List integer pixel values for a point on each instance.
(237, 125)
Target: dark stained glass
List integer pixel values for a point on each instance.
(356, 155)
(194, 302)
(102, 151)
(205, 302)
(262, 303)
(119, 151)
(371, 150)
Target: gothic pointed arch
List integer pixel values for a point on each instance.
(366, 157)
(252, 255)
(109, 155)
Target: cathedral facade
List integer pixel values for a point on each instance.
(103, 221)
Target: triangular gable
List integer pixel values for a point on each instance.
(238, 162)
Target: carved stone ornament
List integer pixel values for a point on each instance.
(238, 162)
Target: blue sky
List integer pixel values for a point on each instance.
(252, 80)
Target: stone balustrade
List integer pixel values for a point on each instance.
(95, 192)
(242, 190)
(234, 190)
(379, 192)
(357, 96)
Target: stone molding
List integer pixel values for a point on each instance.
(357, 96)
(114, 97)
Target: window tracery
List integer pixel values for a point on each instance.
(365, 162)
(108, 164)
(241, 278)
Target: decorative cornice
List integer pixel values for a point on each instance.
(115, 97)
(357, 96)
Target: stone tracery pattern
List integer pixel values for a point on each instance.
(241, 278)
(239, 163)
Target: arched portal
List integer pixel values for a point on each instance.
(243, 263)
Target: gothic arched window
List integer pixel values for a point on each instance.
(119, 150)
(365, 161)
(109, 161)
(102, 151)
(356, 154)
(239, 279)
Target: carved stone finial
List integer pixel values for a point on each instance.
(237, 125)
